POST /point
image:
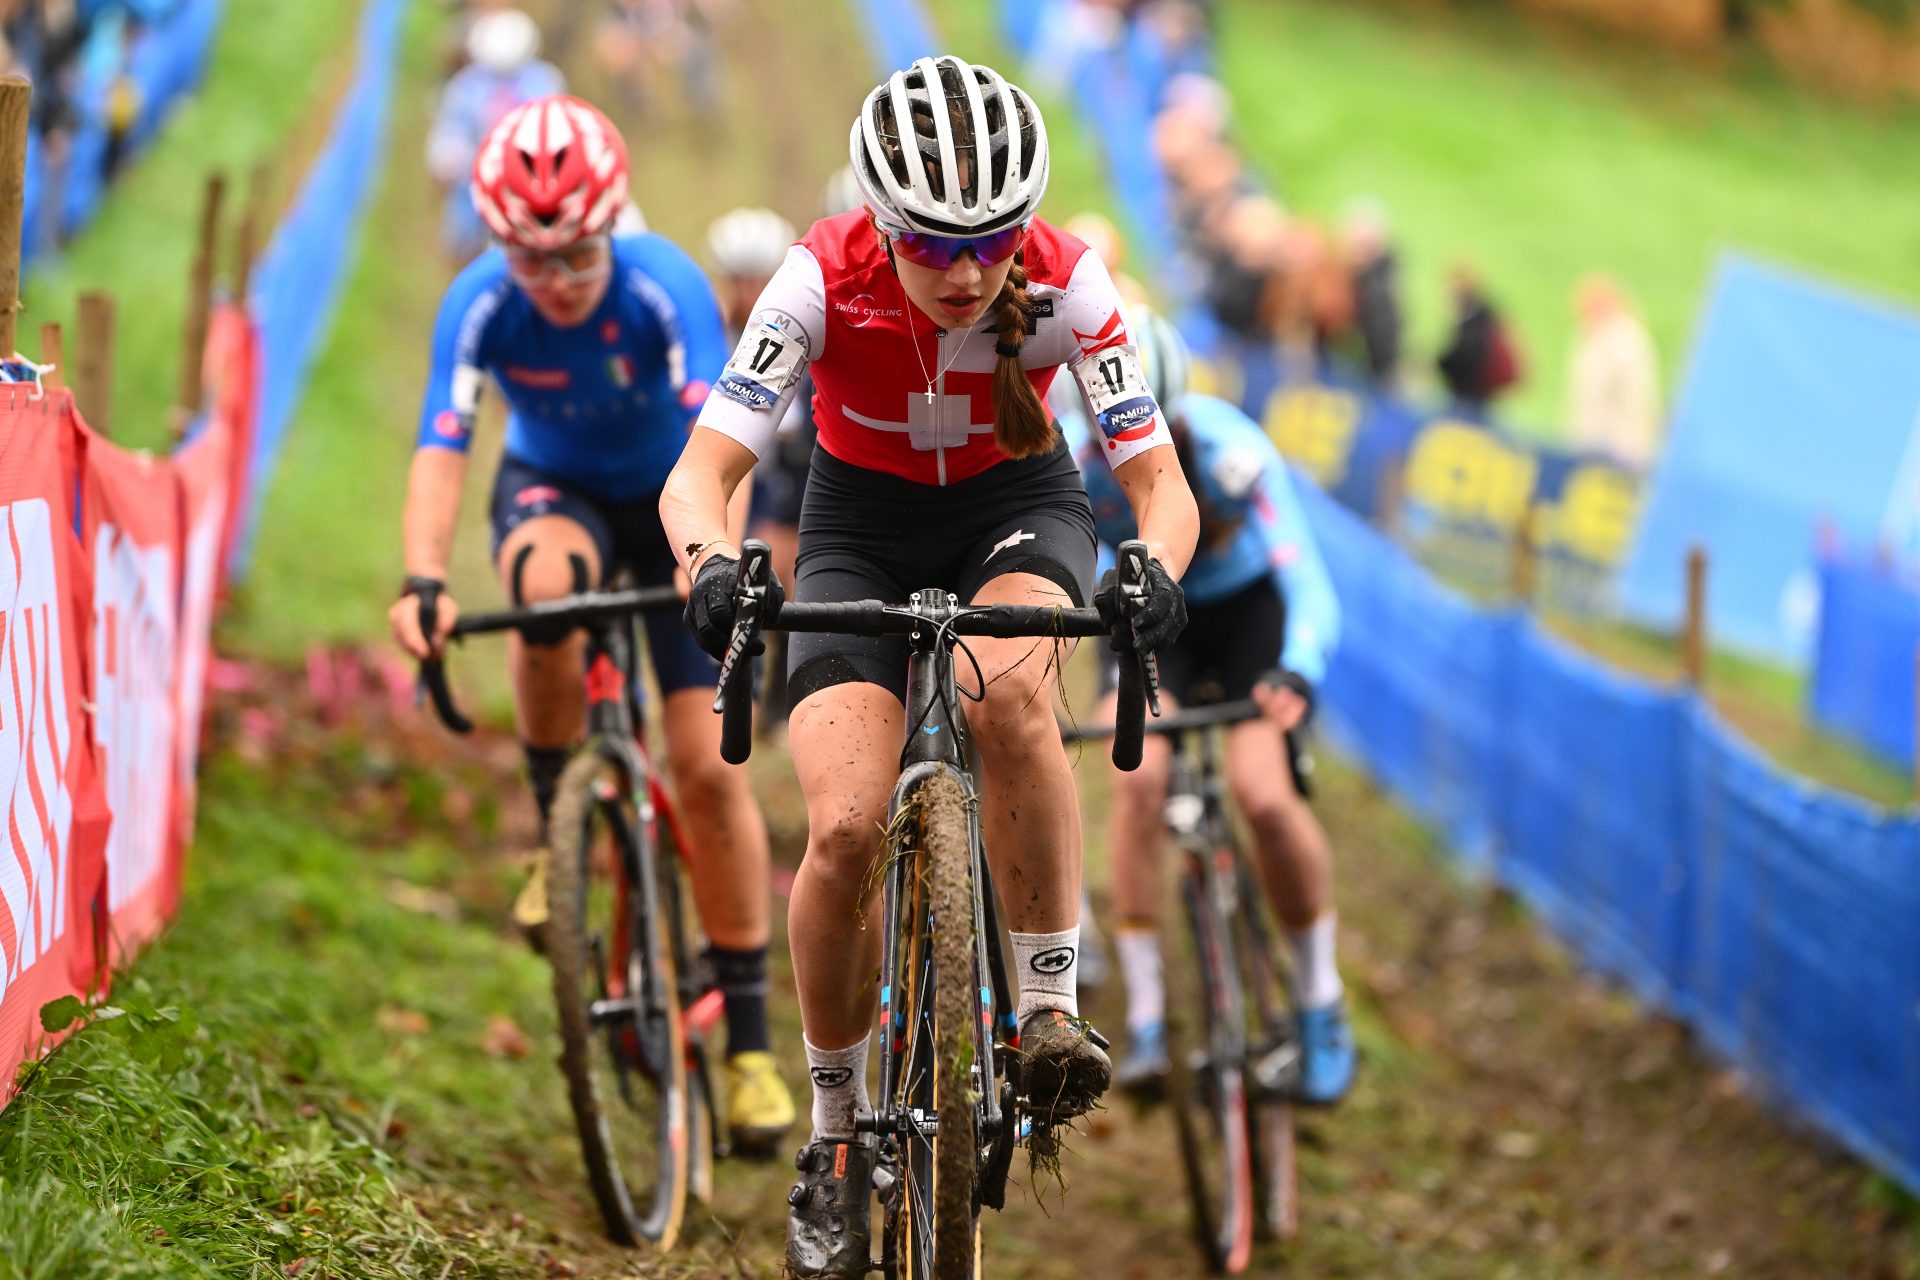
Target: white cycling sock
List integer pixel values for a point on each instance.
(839, 1088)
(1316, 978)
(1046, 964)
(1139, 949)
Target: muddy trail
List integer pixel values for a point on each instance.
(1514, 1117)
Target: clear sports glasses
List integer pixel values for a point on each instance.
(579, 263)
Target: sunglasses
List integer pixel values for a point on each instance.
(941, 252)
(577, 263)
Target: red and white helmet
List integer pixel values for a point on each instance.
(551, 173)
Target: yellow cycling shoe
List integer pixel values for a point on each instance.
(759, 1108)
(530, 907)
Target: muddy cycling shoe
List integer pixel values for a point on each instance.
(1143, 1069)
(830, 1210)
(1062, 1070)
(759, 1107)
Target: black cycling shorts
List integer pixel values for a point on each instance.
(1227, 646)
(627, 534)
(868, 535)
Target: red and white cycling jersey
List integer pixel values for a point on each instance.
(836, 307)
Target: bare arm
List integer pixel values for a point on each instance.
(426, 531)
(1163, 508)
(696, 503)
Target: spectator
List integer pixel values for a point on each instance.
(1249, 240)
(503, 71)
(1613, 385)
(1372, 340)
(1480, 360)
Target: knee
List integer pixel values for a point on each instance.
(1014, 721)
(535, 573)
(1263, 801)
(706, 784)
(843, 837)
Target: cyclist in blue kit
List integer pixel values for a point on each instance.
(604, 347)
(1262, 623)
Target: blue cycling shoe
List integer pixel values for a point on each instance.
(1142, 1070)
(1326, 1054)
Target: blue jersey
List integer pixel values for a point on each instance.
(1245, 480)
(606, 404)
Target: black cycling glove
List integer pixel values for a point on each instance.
(709, 612)
(1160, 618)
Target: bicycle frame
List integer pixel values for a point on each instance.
(936, 743)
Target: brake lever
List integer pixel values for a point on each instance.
(1133, 598)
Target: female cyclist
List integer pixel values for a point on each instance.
(1264, 622)
(933, 320)
(603, 346)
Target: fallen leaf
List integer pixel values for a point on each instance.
(503, 1038)
(1516, 1144)
(397, 1021)
(295, 1267)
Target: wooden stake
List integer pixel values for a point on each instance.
(1693, 640)
(200, 301)
(52, 357)
(1389, 492)
(93, 361)
(16, 102)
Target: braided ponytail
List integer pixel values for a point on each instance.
(1021, 425)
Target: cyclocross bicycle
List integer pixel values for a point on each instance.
(634, 1014)
(950, 1110)
(1233, 1041)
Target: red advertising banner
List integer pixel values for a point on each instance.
(130, 525)
(204, 467)
(51, 867)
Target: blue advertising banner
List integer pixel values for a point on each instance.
(1459, 489)
(1799, 411)
(1864, 660)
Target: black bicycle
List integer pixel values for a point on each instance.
(950, 1110)
(1236, 1071)
(634, 1013)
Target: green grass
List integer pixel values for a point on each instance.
(273, 70)
(271, 1118)
(1541, 157)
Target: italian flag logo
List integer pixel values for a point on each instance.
(620, 370)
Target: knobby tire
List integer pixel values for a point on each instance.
(587, 1053)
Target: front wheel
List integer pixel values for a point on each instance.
(623, 1044)
(937, 1225)
(1209, 1089)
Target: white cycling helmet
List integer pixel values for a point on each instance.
(749, 242)
(1163, 356)
(504, 40)
(949, 148)
(843, 193)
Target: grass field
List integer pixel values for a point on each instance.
(1539, 154)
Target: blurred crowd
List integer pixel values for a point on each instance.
(1325, 294)
(73, 52)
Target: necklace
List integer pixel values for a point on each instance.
(914, 342)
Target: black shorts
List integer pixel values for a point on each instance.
(1227, 646)
(867, 535)
(628, 535)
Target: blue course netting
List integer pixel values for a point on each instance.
(298, 283)
(1863, 661)
(161, 65)
(1781, 920)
